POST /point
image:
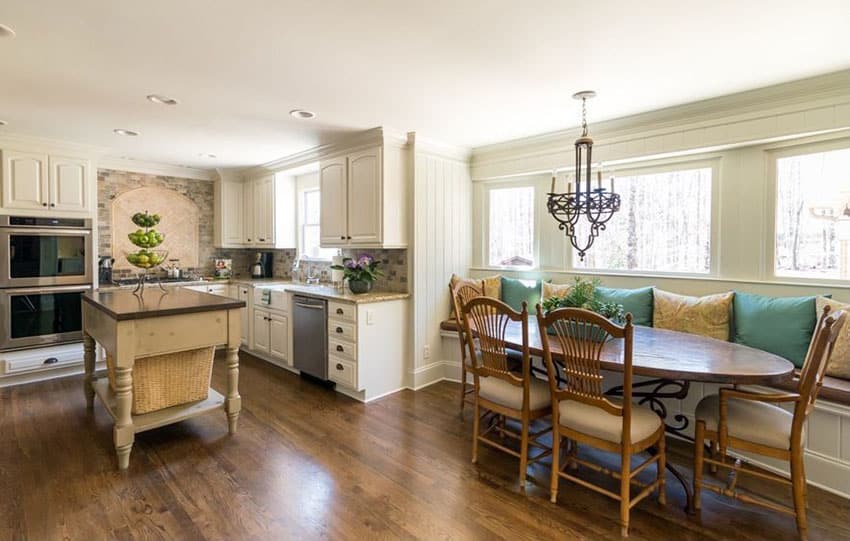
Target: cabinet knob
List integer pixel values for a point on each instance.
(340, 348)
(249, 240)
(51, 360)
(349, 238)
(339, 329)
(339, 366)
(52, 204)
(342, 237)
(44, 204)
(339, 311)
(262, 240)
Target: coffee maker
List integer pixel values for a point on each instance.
(262, 267)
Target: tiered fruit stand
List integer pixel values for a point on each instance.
(146, 238)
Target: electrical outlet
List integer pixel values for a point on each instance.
(370, 317)
(426, 352)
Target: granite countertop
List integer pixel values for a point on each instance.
(122, 304)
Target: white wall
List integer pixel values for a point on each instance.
(441, 245)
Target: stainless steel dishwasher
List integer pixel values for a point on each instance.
(310, 335)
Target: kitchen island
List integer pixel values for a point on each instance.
(131, 326)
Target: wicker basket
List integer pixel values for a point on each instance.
(162, 381)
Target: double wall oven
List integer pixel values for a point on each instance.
(45, 267)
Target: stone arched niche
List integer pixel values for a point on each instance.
(179, 224)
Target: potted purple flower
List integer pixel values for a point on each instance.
(361, 273)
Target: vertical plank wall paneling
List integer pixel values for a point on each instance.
(442, 245)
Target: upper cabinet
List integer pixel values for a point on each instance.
(255, 213)
(37, 182)
(364, 198)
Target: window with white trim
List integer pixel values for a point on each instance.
(812, 235)
(664, 224)
(309, 219)
(510, 226)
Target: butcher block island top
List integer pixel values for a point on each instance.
(163, 328)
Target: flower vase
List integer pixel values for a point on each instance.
(359, 286)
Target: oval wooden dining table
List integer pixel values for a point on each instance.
(672, 360)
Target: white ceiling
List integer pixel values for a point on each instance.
(465, 72)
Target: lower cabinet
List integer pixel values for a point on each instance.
(271, 335)
(244, 294)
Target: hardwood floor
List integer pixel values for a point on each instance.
(308, 463)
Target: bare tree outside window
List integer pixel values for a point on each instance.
(813, 215)
(511, 227)
(664, 225)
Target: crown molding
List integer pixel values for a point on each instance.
(439, 149)
(349, 143)
(820, 91)
(46, 144)
(153, 168)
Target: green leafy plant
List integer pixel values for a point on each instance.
(582, 294)
(364, 268)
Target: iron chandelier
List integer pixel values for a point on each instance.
(598, 205)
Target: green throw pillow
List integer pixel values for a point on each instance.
(515, 291)
(780, 325)
(638, 302)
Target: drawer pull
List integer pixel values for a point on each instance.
(339, 366)
(340, 348)
(340, 311)
(339, 329)
(51, 360)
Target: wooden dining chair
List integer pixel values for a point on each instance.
(581, 413)
(752, 422)
(498, 391)
(461, 293)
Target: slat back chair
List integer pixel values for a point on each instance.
(738, 418)
(462, 293)
(580, 407)
(497, 390)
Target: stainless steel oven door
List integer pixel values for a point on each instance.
(40, 316)
(45, 257)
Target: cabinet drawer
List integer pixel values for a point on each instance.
(30, 364)
(342, 310)
(271, 298)
(342, 331)
(341, 348)
(342, 371)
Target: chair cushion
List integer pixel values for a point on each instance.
(707, 316)
(780, 325)
(514, 292)
(756, 422)
(597, 422)
(505, 394)
(637, 302)
(839, 363)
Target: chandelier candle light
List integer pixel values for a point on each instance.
(598, 205)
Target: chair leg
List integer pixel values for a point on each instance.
(625, 493)
(661, 467)
(556, 467)
(715, 454)
(798, 487)
(699, 450)
(523, 452)
(475, 428)
(573, 454)
(462, 386)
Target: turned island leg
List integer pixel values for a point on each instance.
(123, 433)
(233, 404)
(88, 363)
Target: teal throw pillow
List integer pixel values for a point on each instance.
(780, 325)
(638, 302)
(515, 291)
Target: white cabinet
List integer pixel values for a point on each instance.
(333, 186)
(68, 184)
(262, 331)
(256, 213)
(279, 337)
(364, 198)
(244, 294)
(36, 181)
(25, 185)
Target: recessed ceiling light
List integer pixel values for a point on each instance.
(162, 100)
(302, 114)
(122, 131)
(207, 155)
(3, 122)
(6, 31)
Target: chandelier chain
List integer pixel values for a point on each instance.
(584, 117)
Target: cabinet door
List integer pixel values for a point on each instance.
(24, 180)
(232, 230)
(333, 225)
(68, 181)
(248, 213)
(245, 321)
(264, 211)
(261, 331)
(279, 337)
(365, 197)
